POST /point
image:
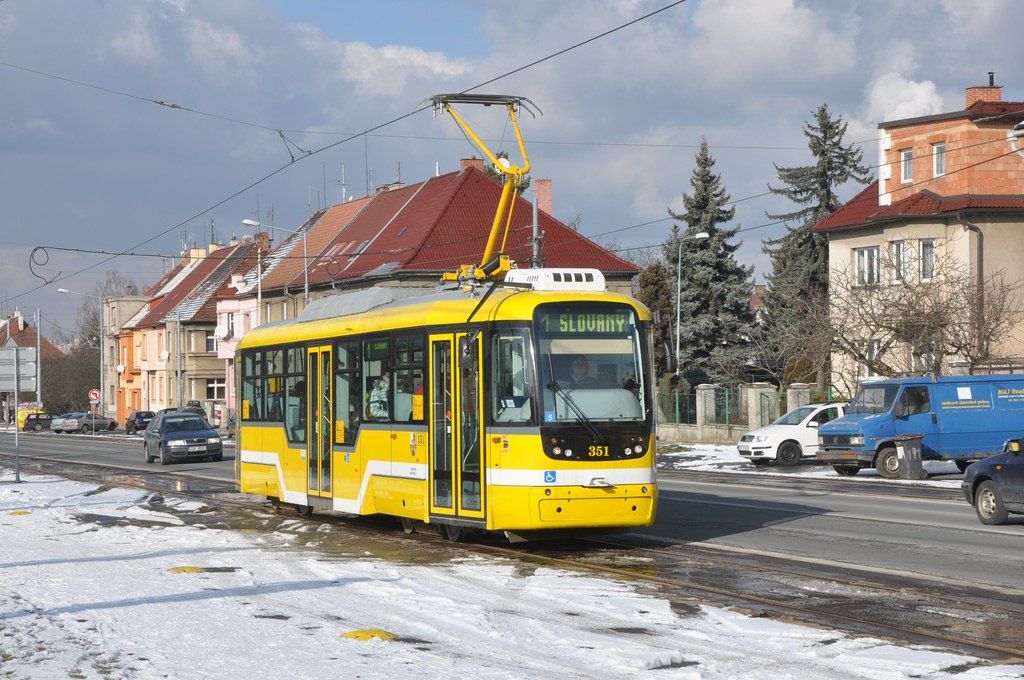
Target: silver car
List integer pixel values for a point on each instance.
(85, 422)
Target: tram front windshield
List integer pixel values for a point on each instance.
(591, 363)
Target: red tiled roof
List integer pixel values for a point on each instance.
(444, 222)
(863, 209)
(319, 237)
(856, 211)
(11, 335)
(987, 108)
(160, 307)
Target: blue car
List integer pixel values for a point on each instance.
(995, 485)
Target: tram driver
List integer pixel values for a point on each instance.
(579, 375)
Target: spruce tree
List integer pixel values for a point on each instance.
(656, 289)
(800, 257)
(715, 293)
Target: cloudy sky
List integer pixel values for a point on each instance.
(85, 168)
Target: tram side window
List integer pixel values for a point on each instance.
(376, 379)
(347, 414)
(409, 369)
(510, 396)
(252, 386)
(293, 396)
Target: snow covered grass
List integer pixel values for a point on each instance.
(103, 582)
(724, 458)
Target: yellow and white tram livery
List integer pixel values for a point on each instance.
(528, 408)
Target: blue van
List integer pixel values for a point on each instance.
(962, 418)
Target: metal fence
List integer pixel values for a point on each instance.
(728, 407)
(678, 407)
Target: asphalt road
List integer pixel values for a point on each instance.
(883, 531)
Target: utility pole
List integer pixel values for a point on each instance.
(535, 262)
(39, 359)
(17, 441)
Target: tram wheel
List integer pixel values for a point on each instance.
(455, 533)
(304, 510)
(408, 525)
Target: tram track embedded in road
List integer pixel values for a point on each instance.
(677, 578)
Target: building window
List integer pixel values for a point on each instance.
(867, 266)
(284, 310)
(906, 165)
(215, 389)
(231, 325)
(927, 259)
(900, 261)
(871, 349)
(939, 159)
(211, 342)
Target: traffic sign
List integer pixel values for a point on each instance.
(94, 395)
(26, 369)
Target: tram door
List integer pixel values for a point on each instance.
(456, 433)
(320, 416)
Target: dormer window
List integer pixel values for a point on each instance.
(938, 159)
(906, 165)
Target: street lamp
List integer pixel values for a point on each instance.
(679, 284)
(103, 388)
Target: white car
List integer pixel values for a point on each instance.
(789, 438)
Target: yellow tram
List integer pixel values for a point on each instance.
(537, 414)
(517, 400)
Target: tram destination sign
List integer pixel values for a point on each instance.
(26, 369)
(569, 322)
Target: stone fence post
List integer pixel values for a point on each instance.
(705, 405)
(797, 394)
(762, 404)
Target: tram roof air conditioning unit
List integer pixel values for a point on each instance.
(563, 278)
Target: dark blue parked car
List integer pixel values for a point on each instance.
(178, 434)
(995, 485)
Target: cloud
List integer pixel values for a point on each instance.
(138, 43)
(220, 52)
(741, 41)
(892, 97)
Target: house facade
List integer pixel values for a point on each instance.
(167, 352)
(948, 203)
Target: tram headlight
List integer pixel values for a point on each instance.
(568, 452)
(638, 449)
(627, 451)
(557, 450)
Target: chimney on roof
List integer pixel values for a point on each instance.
(233, 241)
(542, 195)
(467, 163)
(213, 247)
(985, 93)
(20, 318)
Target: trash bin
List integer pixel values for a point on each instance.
(908, 451)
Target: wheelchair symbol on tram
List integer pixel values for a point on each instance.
(549, 476)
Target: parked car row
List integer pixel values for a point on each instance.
(975, 421)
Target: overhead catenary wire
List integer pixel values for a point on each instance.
(374, 128)
(317, 259)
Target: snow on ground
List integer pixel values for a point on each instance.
(105, 582)
(724, 458)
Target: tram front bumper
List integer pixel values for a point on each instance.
(521, 508)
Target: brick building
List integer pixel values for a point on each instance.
(950, 188)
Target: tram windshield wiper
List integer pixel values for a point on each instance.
(580, 415)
